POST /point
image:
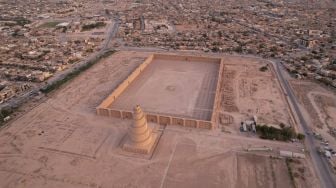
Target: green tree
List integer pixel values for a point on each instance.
(301, 136)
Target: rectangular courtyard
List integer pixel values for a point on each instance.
(168, 86)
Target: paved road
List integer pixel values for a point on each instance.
(142, 23)
(112, 31)
(320, 163)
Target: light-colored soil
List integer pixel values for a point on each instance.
(247, 91)
(331, 111)
(319, 104)
(300, 173)
(63, 143)
(172, 87)
(228, 169)
(186, 27)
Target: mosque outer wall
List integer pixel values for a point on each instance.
(121, 88)
(216, 105)
(103, 109)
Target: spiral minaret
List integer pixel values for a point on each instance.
(139, 134)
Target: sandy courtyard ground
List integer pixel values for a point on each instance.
(63, 143)
(171, 87)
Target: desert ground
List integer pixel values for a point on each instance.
(319, 105)
(62, 142)
(322, 104)
(247, 91)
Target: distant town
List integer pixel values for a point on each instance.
(47, 38)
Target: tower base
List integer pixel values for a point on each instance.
(128, 146)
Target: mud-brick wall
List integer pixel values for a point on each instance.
(121, 88)
(187, 58)
(155, 118)
(152, 118)
(115, 113)
(205, 125)
(178, 121)
(217, 96)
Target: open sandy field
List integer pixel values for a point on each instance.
(63, 143)
(247, 91)
(321, 101)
